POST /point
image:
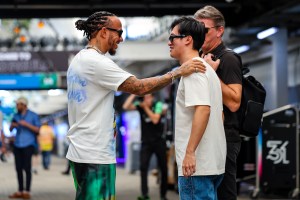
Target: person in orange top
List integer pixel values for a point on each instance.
(46, 138)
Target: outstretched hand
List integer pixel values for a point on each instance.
(192, 66)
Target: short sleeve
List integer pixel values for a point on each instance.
(109, 75)
(158, 108)
(230, 70)
(196, 90)
(36, 121)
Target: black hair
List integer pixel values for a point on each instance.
(190, 26)
(93, 23)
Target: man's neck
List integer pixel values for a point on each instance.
(24, 111)
(206, 51)
(188, 56)
(97, 46)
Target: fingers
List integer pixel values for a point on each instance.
(199, 67)
(188, 170)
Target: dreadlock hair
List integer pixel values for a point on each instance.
(93, 23)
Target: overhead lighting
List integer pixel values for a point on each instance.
(267, 33)
(55, 92)
(17, 30)
(41, 24)
(241, 49)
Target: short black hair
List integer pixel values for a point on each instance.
(94, 23)
(190, 26)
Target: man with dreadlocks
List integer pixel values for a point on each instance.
(92, 80)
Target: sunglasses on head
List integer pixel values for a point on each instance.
(172, 37)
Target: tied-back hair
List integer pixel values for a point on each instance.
(190, 26)
(94, 23)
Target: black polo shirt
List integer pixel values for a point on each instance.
(230, 72)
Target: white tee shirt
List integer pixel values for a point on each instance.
(92, 79)
(201, 89)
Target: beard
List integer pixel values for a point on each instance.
(111, 51)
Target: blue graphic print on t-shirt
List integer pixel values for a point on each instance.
(76, 87)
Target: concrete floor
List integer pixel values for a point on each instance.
(52, 185)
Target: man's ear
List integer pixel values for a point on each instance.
(102, 33)
(220, 31)
(189, 39)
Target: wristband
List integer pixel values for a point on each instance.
(172, 76)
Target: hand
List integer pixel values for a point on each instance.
(192, 66)
(189, 164)
(209, 59)
(143, 105)
(22, 123)
(14, 124)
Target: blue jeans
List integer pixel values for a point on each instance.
(46, 159)
(199, 187)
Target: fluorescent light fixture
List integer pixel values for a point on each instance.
(241, 49)
(55, 92)
(267, 33)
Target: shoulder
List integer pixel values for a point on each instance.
(32, 113)
(231, 56)
(158, 104)
(231, 59)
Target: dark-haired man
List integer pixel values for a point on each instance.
(92, 80)
(228, 69)
(200, 143)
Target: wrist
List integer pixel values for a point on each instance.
(189, 152)
(172, 76)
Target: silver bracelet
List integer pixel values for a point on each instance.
(172, 76)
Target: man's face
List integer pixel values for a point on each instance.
(212, 37)
(114, 36)
(20, 107)
(176, 44)
(148, 99)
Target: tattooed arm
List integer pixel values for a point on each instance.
(149, 85)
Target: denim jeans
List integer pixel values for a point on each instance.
(46, 159)
(199, 187)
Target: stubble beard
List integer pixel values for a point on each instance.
(111, 51)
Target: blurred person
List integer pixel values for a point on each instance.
(92, 80)
(2, 137)
(153, 141)
(200, 143)
(27, 124)
(228, 68)
(35, 157)
(46, 140)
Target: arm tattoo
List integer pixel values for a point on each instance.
(144, 86)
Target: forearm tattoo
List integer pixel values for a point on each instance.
(144, 86)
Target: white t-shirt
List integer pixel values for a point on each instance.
(201, 89)
(92, 79)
